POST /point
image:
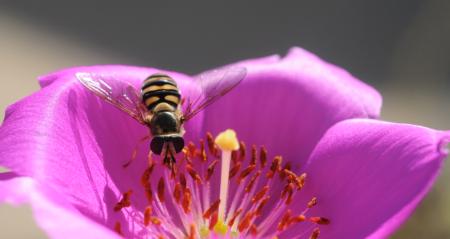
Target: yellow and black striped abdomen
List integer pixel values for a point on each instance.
(160, 93)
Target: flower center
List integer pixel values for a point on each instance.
(248, 198)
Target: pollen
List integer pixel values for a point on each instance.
(220, 188)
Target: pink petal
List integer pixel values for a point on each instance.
(370, 175)
(67, 137)
(287, 104)
(54, 215)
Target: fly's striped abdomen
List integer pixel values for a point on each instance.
(160, 93)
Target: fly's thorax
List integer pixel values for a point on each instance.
(165, 122)
(160, 93)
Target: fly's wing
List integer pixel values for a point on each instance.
(213, 84)
(116, 92)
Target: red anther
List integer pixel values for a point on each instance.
(245, 222)
(291, 175)
(183, 181)
(246, 172)
(315, 233)
(187, 200)
(194, 175)
(284, 220)
(212, 209)
(312, 202)
(177, 191)
(286, 171)
(118, 228)
(191, 149)
(124, 202)
(263, 156)
(192, 232)
(233, 218)
(253, 230)
(234, 170)
(300, 181)
(161, 188)
(146, 175)
(320, 220)
(213, 220)
(234, 157)
(252, 181)
(253, 155)
(202, 153)
(210, 170)
(156, 221)
(297, 219)
(147, 215)
(260, 194)
(289, 188)
(290, 193)
(261, 205)
(149, 193)
(211, 145)
(242, 149)
(275, 166)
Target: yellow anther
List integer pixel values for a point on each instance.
(220, 228)
(204, 232)
(227, 140)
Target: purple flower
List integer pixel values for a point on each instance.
(342, 173)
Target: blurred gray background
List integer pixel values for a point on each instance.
(400, 47)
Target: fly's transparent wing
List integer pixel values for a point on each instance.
(213, 85)
(118, 93)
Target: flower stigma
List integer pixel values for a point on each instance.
(248, 198)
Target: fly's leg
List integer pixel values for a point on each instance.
(135, 150)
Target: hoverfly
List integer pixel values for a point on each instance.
(158, 104)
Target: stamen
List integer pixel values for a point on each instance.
(312, 202)
(245, 222)
(259, 207)
(252, 181)
(124, 202)
(315, 234)
(212, 209)
(195, 176)
(202, 153)
(146, 175)
(213, 220)
(192, 232)
(253, 157)
(235, 170)
(246, 172)
(147, 215)
(161, 189)
(263, 156)
(284, 221)
(118, 228)
(260, 194)
(187, 200)
(275, 167)
(210, 169)
(320, 220)
(177, 192)
(233, 218)
(211, 145)
(242, 149)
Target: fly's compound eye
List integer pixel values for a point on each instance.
(178, 143)
(157, 145)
